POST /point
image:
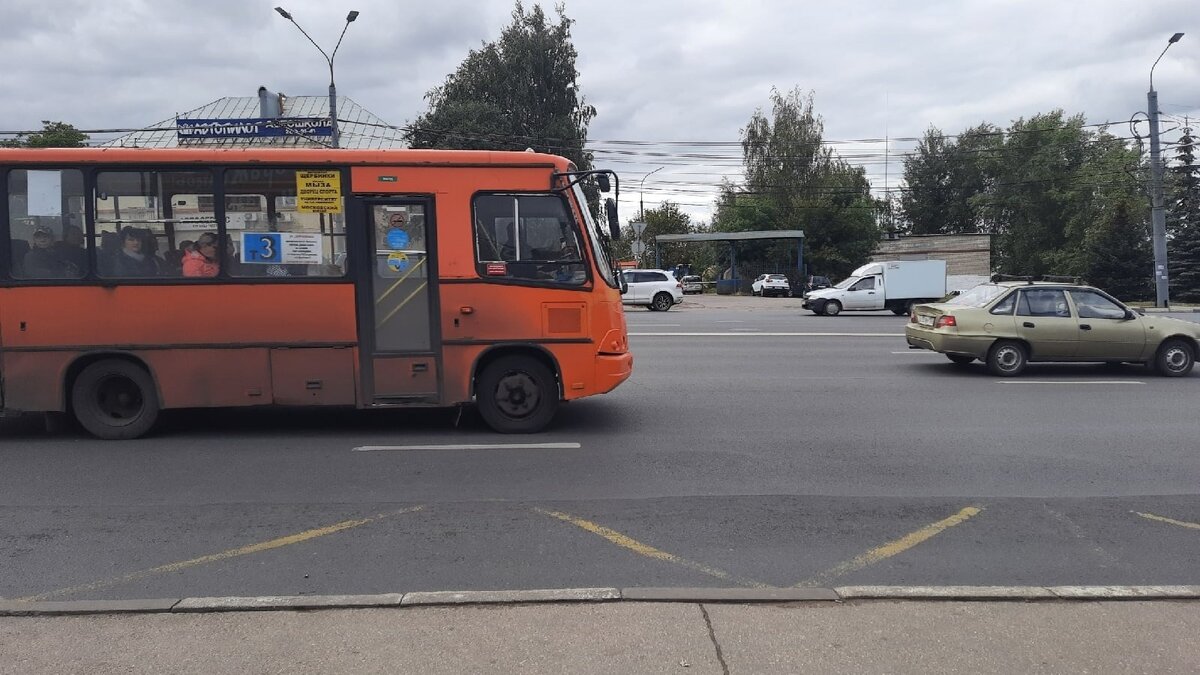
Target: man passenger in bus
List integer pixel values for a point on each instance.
(132, 260)
(202, 260)
(71, 247)
(43, 261)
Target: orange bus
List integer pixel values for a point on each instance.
(134, 280)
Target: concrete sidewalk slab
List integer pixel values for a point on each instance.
(579, 638)
(967, 637)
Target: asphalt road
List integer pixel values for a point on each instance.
(760, 446)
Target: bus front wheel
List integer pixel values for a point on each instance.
(516, 395)
(115, 400)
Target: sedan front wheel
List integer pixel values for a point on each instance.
(1174, 358)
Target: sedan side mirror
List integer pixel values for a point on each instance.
(1130, 315)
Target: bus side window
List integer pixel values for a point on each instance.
(527, 236)
(46, 224)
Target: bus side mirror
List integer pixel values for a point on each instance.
(622, 283)
(614, 221)
(602, 182)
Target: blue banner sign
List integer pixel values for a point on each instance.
(252, 127)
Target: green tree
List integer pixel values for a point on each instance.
(1183, 221)
(518, 92)
(792, 181)
(942, 176)
(667, 219)
(52, 135)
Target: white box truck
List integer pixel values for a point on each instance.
(894, 284)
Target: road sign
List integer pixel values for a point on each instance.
(638, 229)
(638, 247)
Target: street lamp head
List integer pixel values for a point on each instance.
(1174, 38)
(283, 12)
(354, 15)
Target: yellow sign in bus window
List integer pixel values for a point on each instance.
(319, 191)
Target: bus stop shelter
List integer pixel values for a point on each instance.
(733, 238)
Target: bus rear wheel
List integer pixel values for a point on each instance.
(516, 395)
(114, 399)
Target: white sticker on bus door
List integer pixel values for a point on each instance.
(45, 193)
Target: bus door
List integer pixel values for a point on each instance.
(397, 303)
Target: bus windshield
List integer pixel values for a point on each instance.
(599, 239)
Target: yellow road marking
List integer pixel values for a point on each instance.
(631, 544)
(892, 547)
(224, 555)
(1172, 521)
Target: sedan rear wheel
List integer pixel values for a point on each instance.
(1174, 359)
(1007, 359)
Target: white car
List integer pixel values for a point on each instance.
(771, 284)
(655, 289)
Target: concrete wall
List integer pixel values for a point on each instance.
(965, 254)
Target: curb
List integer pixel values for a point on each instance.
(593, 595)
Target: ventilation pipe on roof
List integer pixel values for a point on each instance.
(270, 104)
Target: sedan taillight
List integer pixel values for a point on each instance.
(945, 321)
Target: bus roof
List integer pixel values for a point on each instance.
(280, 156)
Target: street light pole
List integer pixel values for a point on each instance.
(641, 194)
(333, 120)
(1158, 216)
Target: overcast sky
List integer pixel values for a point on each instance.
(667, 71)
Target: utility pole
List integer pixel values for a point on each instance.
(1158, 215)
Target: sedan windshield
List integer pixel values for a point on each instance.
(978, 296)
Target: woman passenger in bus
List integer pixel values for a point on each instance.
(202, 261)
(132, 260)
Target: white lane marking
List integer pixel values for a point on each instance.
(919, 351)
(732, 321)
(1083, 382)
(476, 446)
(732, 334)
(656, 325)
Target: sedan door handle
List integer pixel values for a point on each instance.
(1028, 324)
(1084, 326)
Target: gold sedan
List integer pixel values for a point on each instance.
(1010, 324)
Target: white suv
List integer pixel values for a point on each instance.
(771, 284)
(655, 289)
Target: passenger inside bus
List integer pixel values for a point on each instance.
(135, 258)
(202, 260)
(43, 260)
(71, 248)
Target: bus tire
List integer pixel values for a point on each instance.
(516, 395)
(115, 399)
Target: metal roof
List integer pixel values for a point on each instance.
(358, 128)
(732, 236)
